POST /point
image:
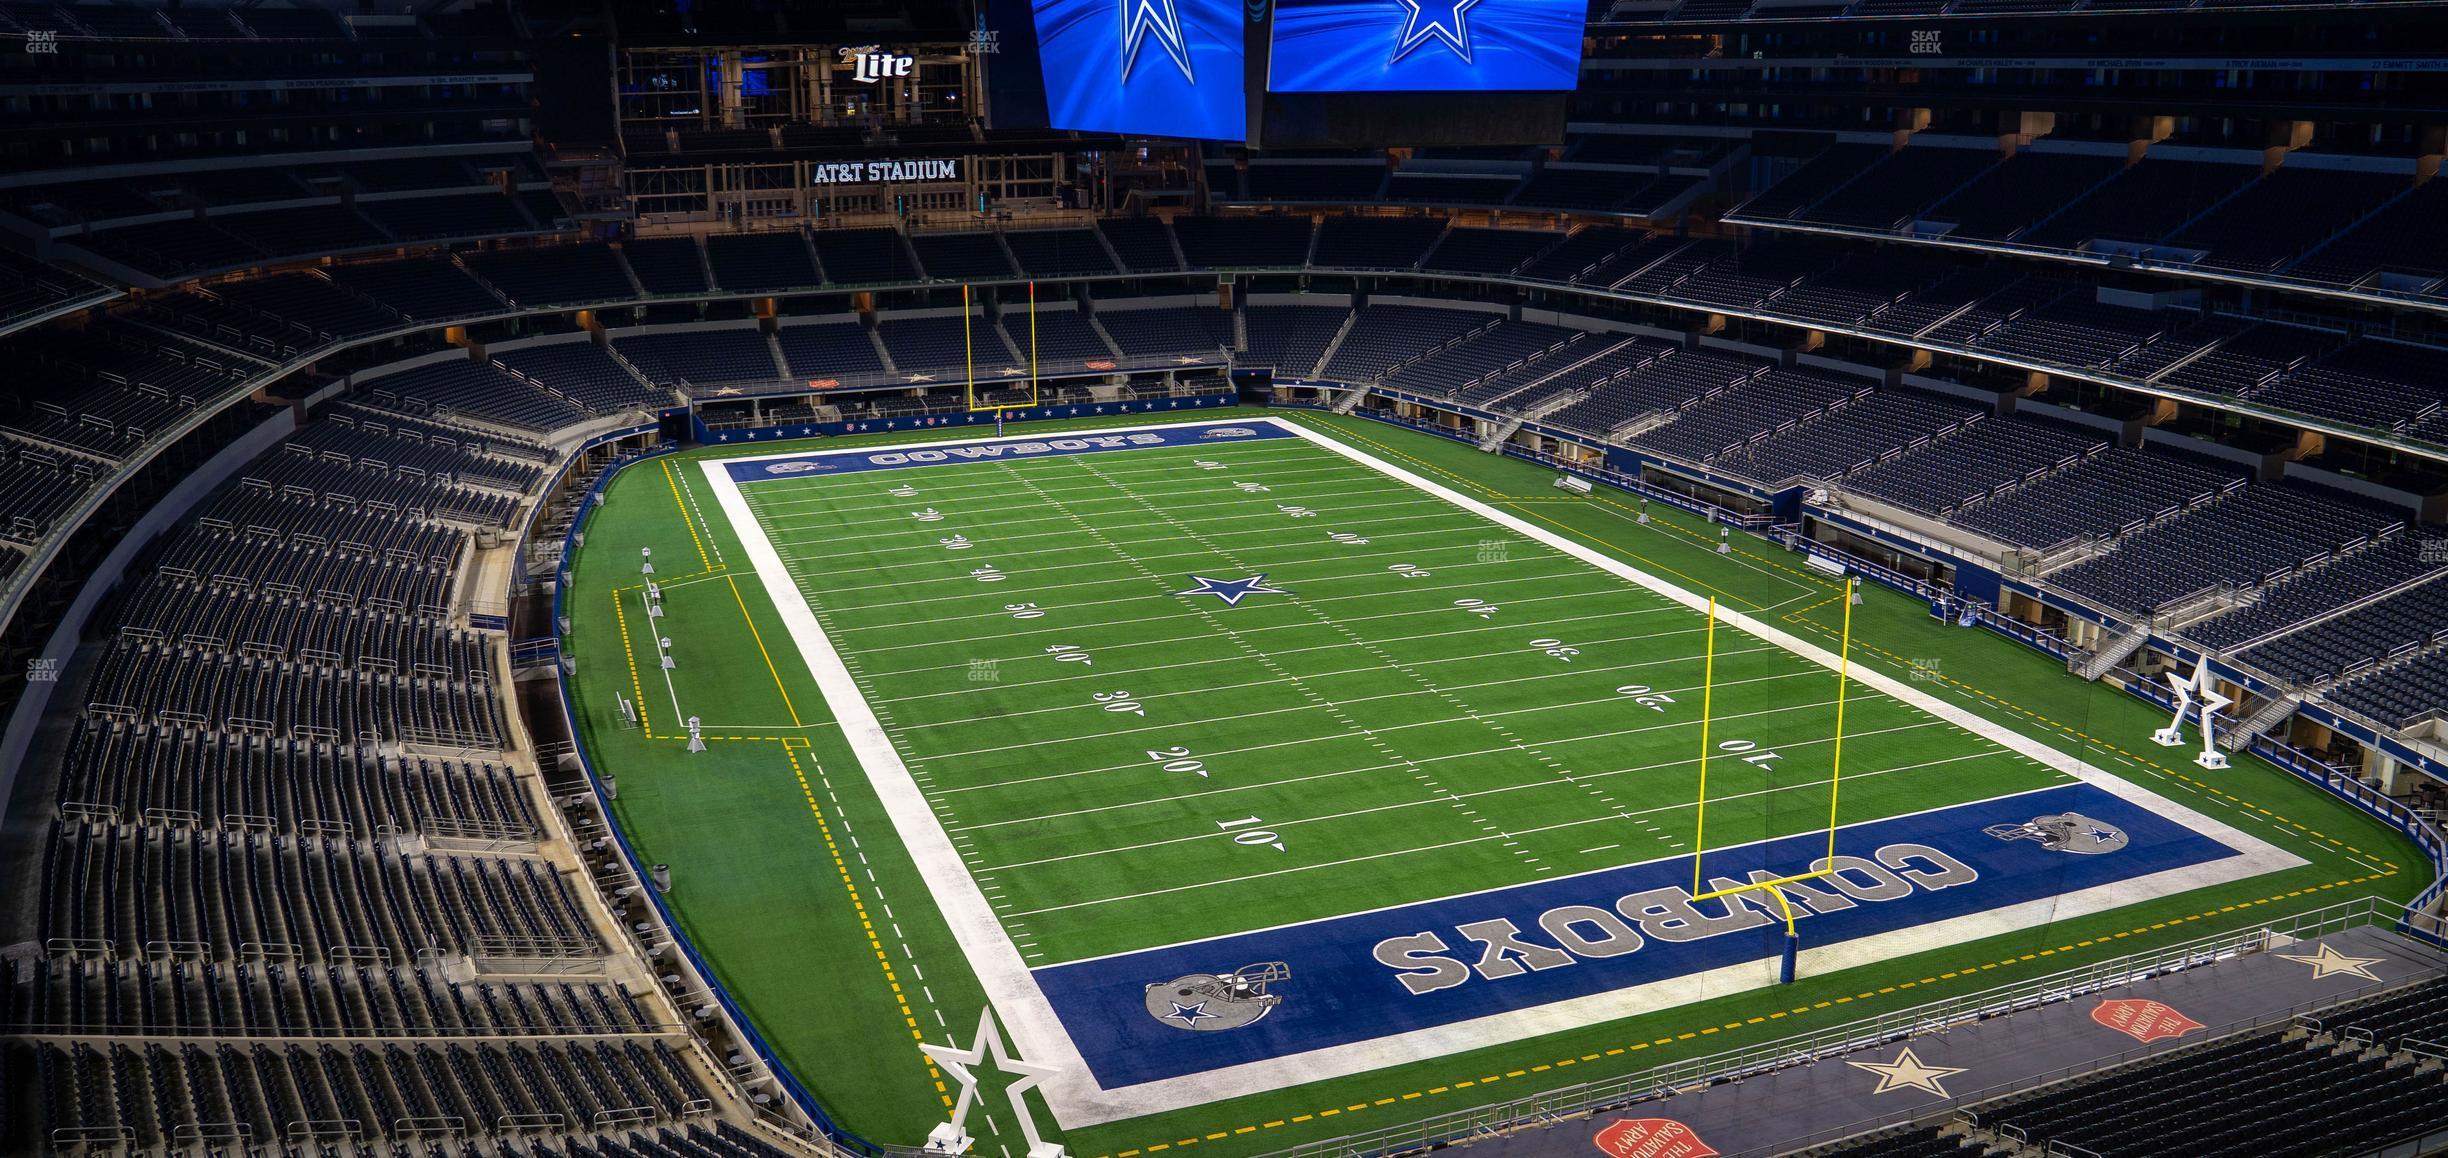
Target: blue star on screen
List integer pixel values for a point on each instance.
(2100, 835)
(1159, 67)
(1144, 18)
(1419, 27)
(1190, 1014)
(1231, 591)
(1425, 45)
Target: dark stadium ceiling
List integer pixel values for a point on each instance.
(675, 22)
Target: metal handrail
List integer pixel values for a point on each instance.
(1670, 1078)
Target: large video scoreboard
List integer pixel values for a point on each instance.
(1424, 46)
(1167, 68)
(1292, 73)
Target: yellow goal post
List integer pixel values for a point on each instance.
(969, 358)
(1775, 886)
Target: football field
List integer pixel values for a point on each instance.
(1152, 705)
(1410, 700)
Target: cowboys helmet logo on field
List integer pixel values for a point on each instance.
(1212, 1001)
(2065, 832)
(793, 467)
(1228, 432)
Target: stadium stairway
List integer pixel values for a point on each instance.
(2111, 653)
(773, 349)
(2264, 718)
(1326, 356)
(1104, 335)
(883, 353)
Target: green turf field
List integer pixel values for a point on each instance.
(1424, 702)
(1438, 705)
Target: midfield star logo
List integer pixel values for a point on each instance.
(1231, 591)
(1142, 19)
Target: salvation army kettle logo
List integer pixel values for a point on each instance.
(1651, 1138)
(2143, 1020)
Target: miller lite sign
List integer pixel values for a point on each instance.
(869, 64)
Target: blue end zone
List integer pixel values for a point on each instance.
(831, 462)
(1371, 975)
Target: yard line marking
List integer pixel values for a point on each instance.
(1560, 825)
(841, 482)
(830, 492)
(903, 623)
(1446, 695)
(1480, 629)
(1035, 572)
(1331, 551)
(688, 518)
(1237, 717)
(1444, 611)
(997, 516)
(1413, 552)
(637, 689)
(945, 475)
(679, 718)
(1263, 784)
(1608, 735)
(753, 633)
(900, 998)
(994, 543)
(1515, 681)
(1230, 632)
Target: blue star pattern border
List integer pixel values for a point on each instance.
(1426, 45)
(1232, 591)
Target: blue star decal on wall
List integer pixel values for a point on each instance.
(1190, 1014)
(1144, 18)
(1231, 591)
(1421, 25)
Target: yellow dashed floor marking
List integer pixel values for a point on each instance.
(858, 903)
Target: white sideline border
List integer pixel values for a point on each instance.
(1038, 1035)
